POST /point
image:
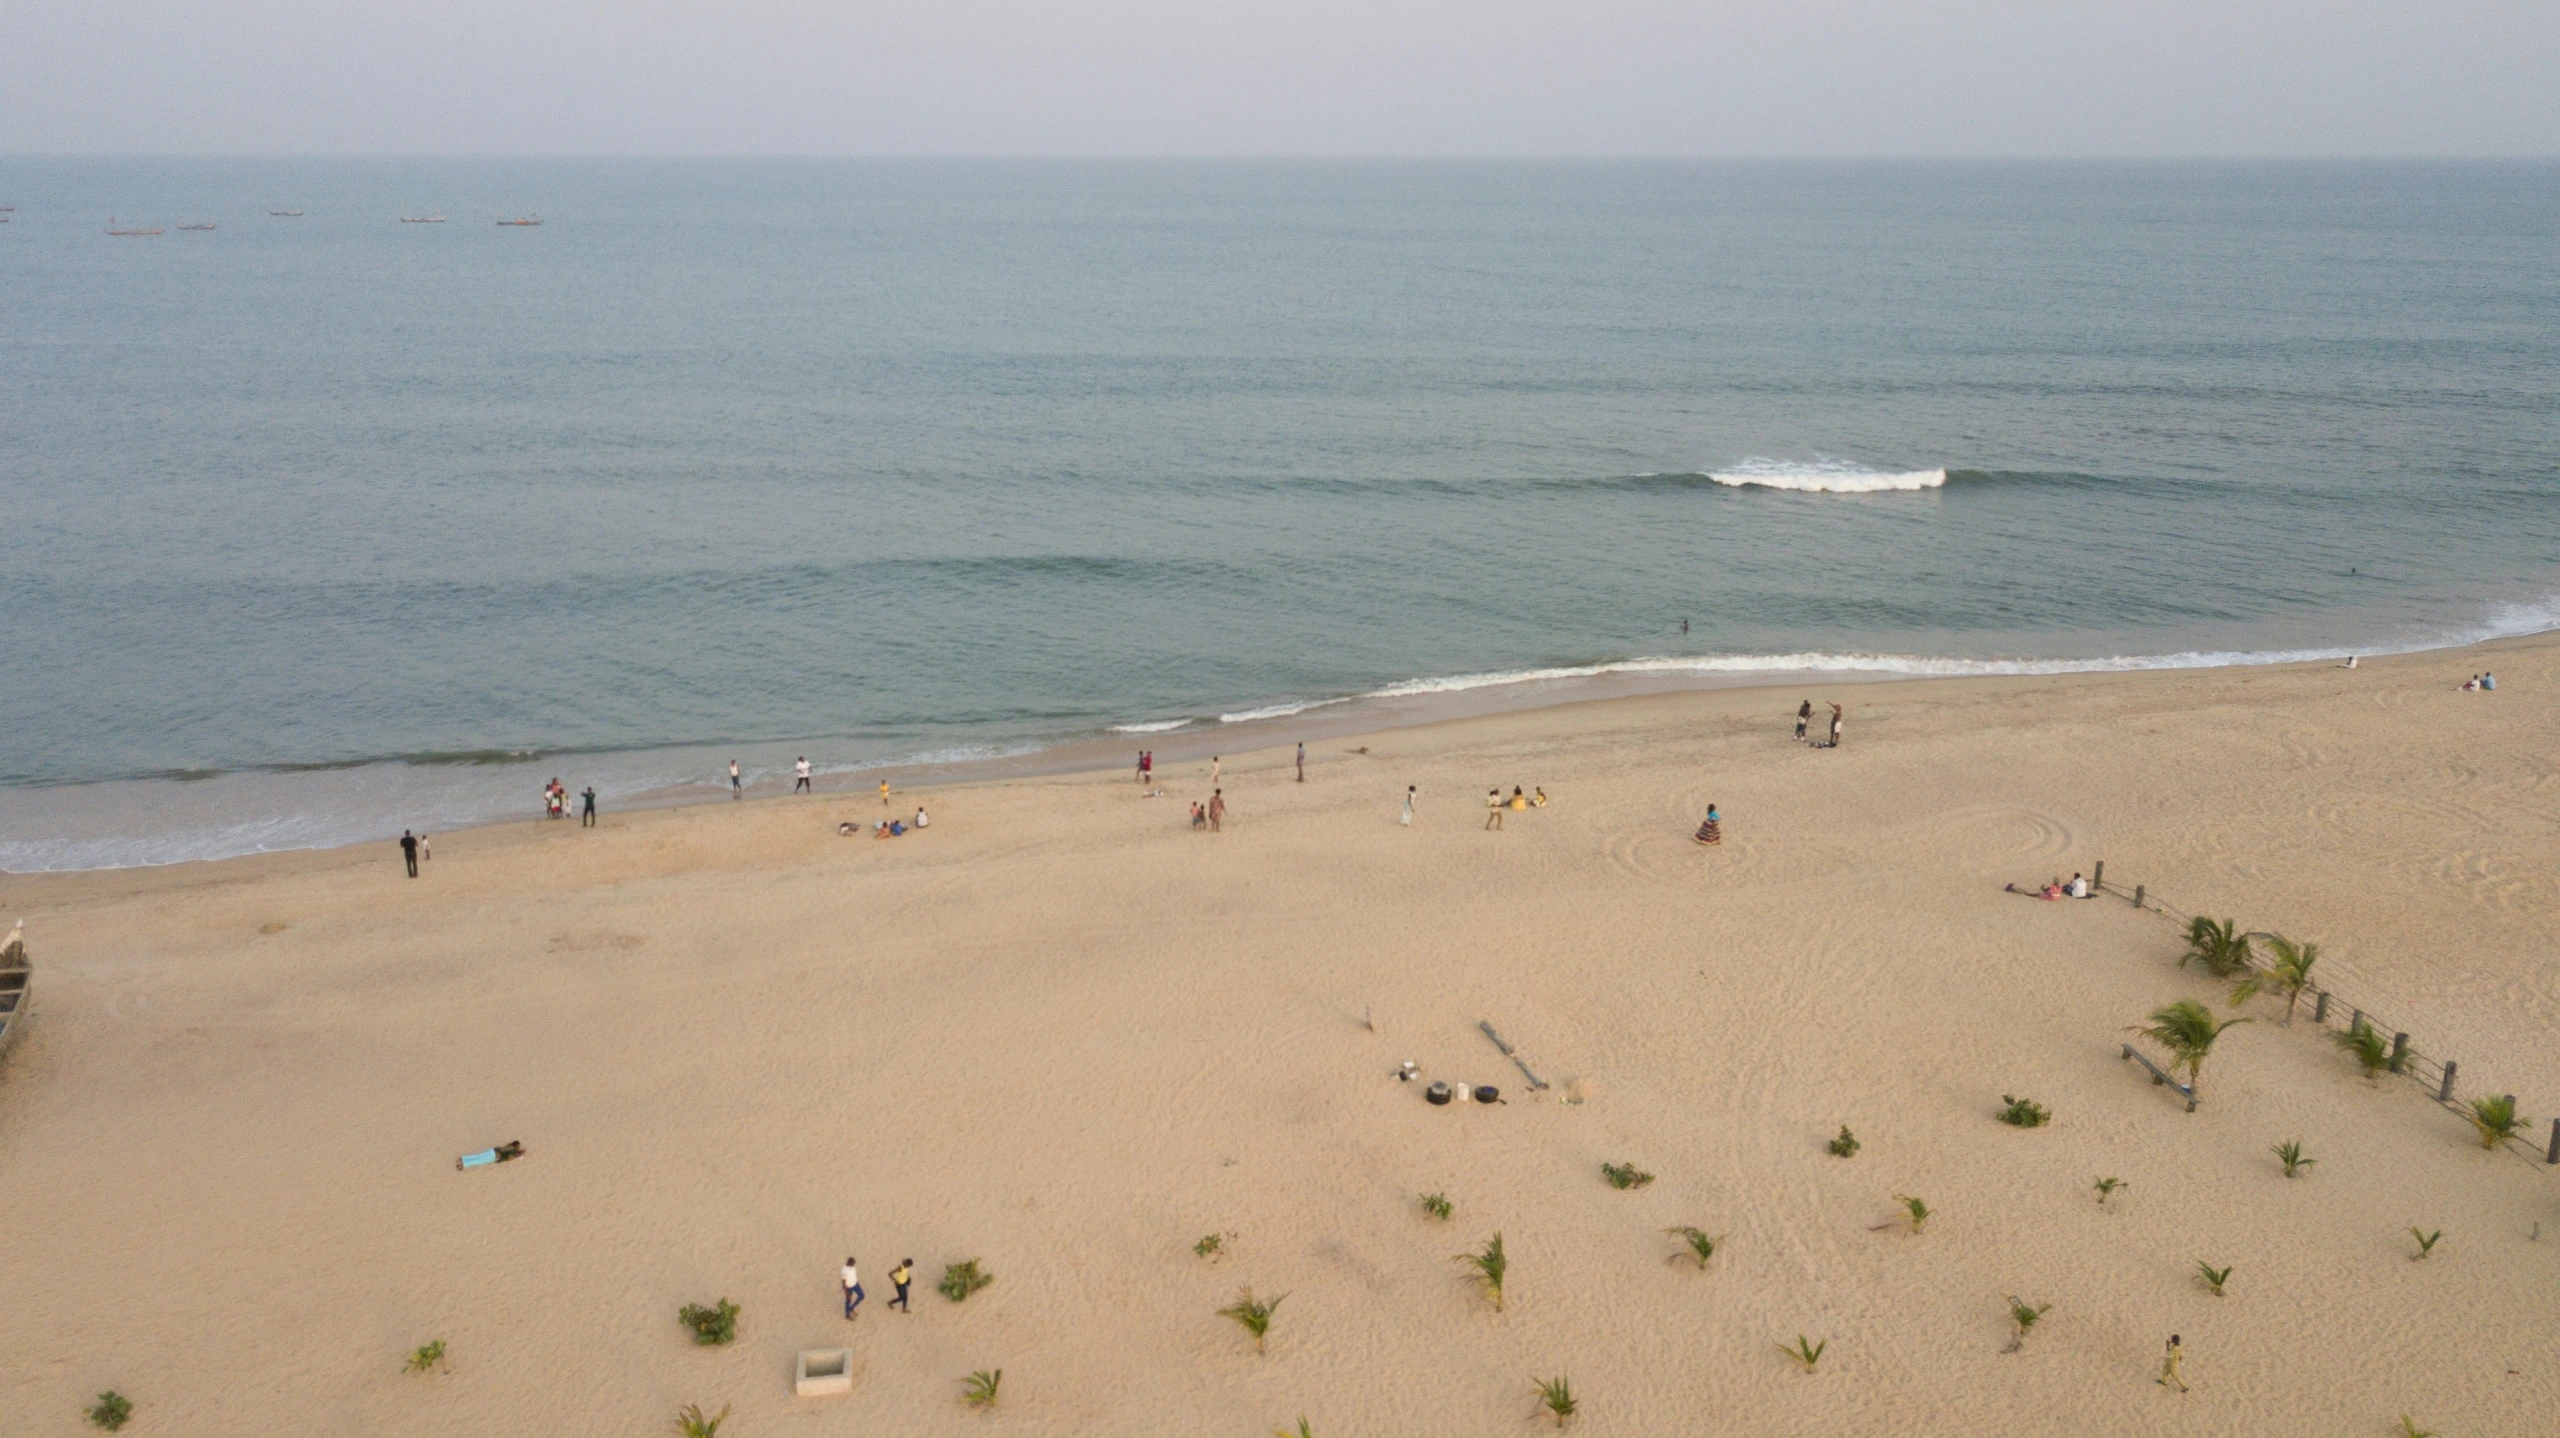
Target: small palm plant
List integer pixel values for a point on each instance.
(2220, 949)
(1490, 1266)
(2187, 1029)
(1304, 1431)
(2409, 1428)
(2288, 972)
(2496, 1119)
(1914, 1212)
(2214, 1277)
(1696, 1244)
(112, 1410)
(2023, 1317)
(1805, 1351)
(2289, 1153)
(1845, 1146)
(2365, 1044)
(961, 1279)
(1556, 1396)
(1253, 1315)
(2426, 1242)
(1625, 1175)
(692, 1422)
(1437, 1205)
(2106, 1188)
(978, 1390)
(427, 1357)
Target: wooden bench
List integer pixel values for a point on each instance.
(2160, 1075)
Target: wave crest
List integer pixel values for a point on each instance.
(1826, 476)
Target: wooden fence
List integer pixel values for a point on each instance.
(2331, 1011)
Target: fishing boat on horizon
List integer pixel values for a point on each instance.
(526, 222)
(205, 226)
(422, 219)
(137, 230)
(286, 214)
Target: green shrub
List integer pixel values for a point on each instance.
(1211, 1246)
(112, 1410)
(711, 1326)
(1253, 1315)
(1556, 1396)
(1490, 1266)
(692, 1422)
(426, 1357)
(1437, 1205)
(959, 1280)
(1700, 1244)
(2106, 1188)
(2213, 1277)
(2024, 1113)
(1625, 1175)
(978, 1390)
(1845, 1146)
(2289, 1153)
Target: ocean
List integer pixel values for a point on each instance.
(323, 526)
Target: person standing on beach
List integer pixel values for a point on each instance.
(1302, 761)
(1217, 809)
(2169, 1367)
(852, 1288)
(1835, 726)
(1213, 771)
(735, 792)
(800, 766)
(587, 811)
(1493, 807)
(1406, 818)
(902, 1275)
(884, 793)
(1712, 831)
(1146, 765)
(1804, 716)
(409, 851)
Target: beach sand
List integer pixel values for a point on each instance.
(1063, 1034)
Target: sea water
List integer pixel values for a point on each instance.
(320, 527)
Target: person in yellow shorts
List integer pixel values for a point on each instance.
(2169, 1367)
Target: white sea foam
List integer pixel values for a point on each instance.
(1284, 710)
(1826, 476)
(1158, 726)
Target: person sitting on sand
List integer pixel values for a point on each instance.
(2078, 888)
(845, 829)
(897, 829)
(2488, 680)
(2471, 683)
(1540, 801)
(513, 1148)
(1519, 801)
(1712, 831)
(2053, 890)
(921, 821)
(880, 830)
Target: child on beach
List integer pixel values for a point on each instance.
(1712, 831)
(1493, 807)
(1804, 716)
(1406, 818)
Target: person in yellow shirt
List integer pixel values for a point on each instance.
(1519, 801)
(884, 793)
(902, 1275)
(2169, 1367)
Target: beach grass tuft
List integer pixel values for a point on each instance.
(2496, 1119)
(2213, 1277)
(1697, 1244)
(1437, 1205)
(1914, 1212)
(1805, 1351)
(2024, 1113)
(2106, 1188)
(2023, 1318)
(978, 1390)
(1625, 1175)
(2426, 1242)
(2365, 1044)
(1490, 1265)
(692, 1422)
(2289, 1153)
(1253, 1315)
(1845, 1146)
(1556, 1396)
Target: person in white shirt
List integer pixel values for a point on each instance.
(852, 1289)
(800, 766)
(2078, 888)
(921, 820)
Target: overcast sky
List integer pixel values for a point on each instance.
(1363, 77)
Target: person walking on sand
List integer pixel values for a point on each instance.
(2169, 1367)
(1142, 766)
(1213, 771)
(409, 851)
(1406, 818)
(1217, 809)
(1493, 807)
(884, 793)
(426, 850)
(902, 1275)
(587, 810)
(1302, 761)
(800, 766)
(1804, 716)
(736, 790)
(852, 1288)
(1835, 726)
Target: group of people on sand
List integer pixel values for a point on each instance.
(2055, 888)
(1495, 806)
(1804, 718)
(555, 802)
(887, 828)
(850, 1280)
(1211, 816)
(2482, 680)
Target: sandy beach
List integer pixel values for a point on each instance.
(1063, 1034)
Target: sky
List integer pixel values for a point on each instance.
(1282, 77)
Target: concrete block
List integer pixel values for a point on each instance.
(824, 1372)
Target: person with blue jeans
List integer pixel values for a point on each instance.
(852, 1289)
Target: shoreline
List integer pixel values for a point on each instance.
(1359, 716)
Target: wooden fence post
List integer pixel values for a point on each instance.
(2399, 1053)
(2098, 880)
(2137, 896)
(2320, 1008)
(2555, 1142)
(2444, 1092)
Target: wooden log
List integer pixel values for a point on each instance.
(1535, 1083)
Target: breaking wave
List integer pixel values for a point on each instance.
(1826, 476)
